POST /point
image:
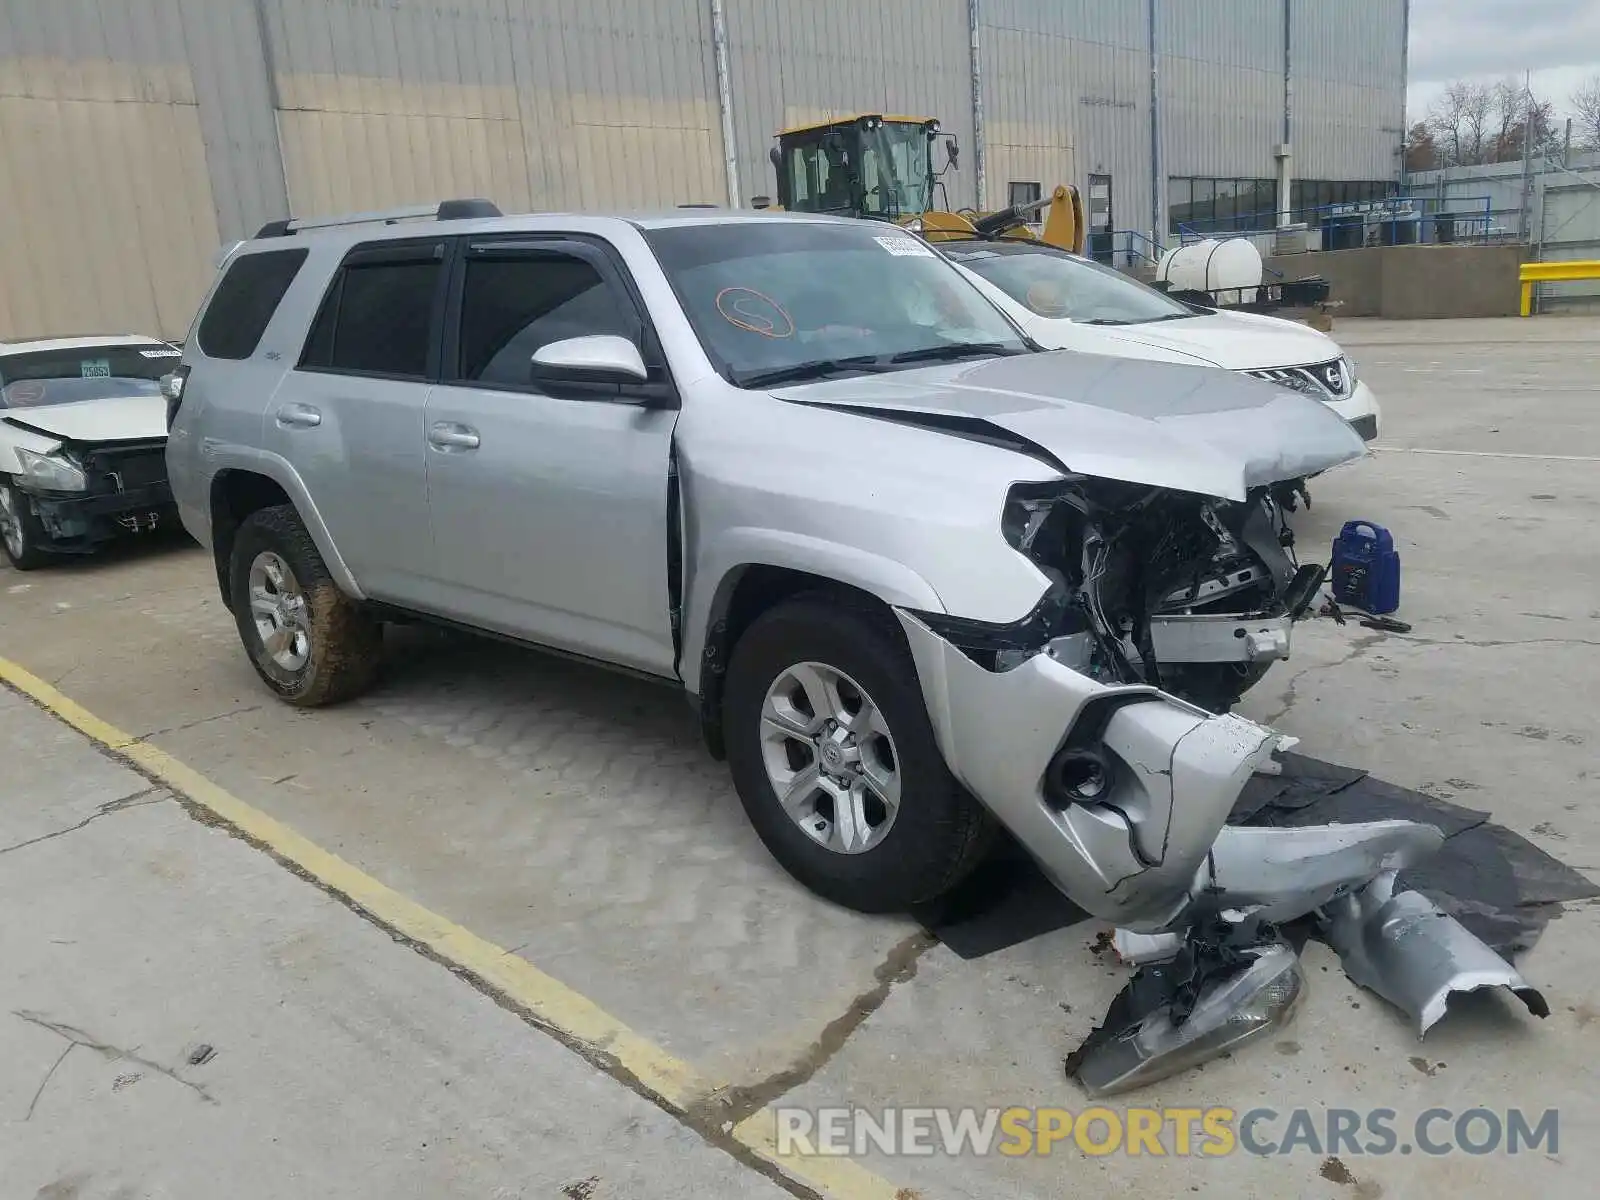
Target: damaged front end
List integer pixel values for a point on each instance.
(1190, 594)
(1095, 731)
(1090, 728)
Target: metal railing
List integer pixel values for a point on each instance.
(1124, 248)
(1395, 221)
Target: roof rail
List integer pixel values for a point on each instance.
(445, 210)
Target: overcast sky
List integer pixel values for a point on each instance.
(1557, 40)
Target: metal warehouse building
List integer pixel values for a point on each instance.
(136, 136)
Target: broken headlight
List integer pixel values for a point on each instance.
(1038, 515)
(51, 472)
(1259, 999)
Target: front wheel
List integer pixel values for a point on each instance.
(20, 532)
(836, 763)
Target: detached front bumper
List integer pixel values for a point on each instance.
(1118, 792)
(75, 520)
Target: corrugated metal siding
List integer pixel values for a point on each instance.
(1349, 93)
(536, 104)
(228, 62)
(103, 174)
(790, 63)
(1066, 95)
(223, 114)
(1221, 86)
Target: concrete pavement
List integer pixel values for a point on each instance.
(571, 818)
(182, 1017)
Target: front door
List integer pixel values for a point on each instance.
(549, 505)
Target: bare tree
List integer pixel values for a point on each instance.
(1474, 122)
(1586, 114)
(1460, 122)
(1519, 114)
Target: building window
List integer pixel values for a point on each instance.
(1310, 198)
(1203, 205)
(1024, 193)
(1206, 207)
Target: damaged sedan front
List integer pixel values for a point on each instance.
(82, 444)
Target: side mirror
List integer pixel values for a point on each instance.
(600, 358)
(953, 149)
(775, 156)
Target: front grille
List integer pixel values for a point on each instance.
(126, 470)
(1331, 380)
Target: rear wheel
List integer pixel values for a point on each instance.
(309, 642)
(836, 762)
(20, 532)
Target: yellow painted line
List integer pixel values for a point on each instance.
(552, 1003)
(833, 1176)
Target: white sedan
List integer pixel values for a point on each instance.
(83, 433)
(1066, 302)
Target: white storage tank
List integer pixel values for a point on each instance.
(1213, 265)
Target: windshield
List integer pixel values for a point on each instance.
(43, 377)
(1062, 286)
(894, 169)
(777, 299)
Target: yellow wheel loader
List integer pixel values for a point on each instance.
(882, 168)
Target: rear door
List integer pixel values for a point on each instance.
(549, 505)
(349, 418)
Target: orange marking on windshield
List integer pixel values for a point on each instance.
(741, 307)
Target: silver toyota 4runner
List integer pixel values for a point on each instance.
(916, 575)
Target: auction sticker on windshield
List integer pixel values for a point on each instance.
(905, 247)
(95, 368)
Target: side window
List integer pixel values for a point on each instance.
(245, 300)
(377, 317)
(1023, 193)
(514, 302)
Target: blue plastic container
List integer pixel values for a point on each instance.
(1366, 568)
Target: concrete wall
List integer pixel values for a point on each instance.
(1415, 282)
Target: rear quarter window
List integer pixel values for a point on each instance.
(245, 300)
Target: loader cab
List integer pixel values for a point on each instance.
(863, 166)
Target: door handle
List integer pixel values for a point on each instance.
(453, 437)
(301, 415)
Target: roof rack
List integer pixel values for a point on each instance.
(445, 210)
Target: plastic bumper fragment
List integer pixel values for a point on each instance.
(1404, 948)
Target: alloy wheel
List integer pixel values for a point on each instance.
(830, 757)
(278, 608)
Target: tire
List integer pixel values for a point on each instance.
(21, 536)
(327, 648)
(938, 832)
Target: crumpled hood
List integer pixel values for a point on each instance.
(114, 419)
(1235, 341)
(1194, 429)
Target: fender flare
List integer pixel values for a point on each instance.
(720, 569)
(281, 472)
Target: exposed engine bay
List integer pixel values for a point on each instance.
(1190, 594)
